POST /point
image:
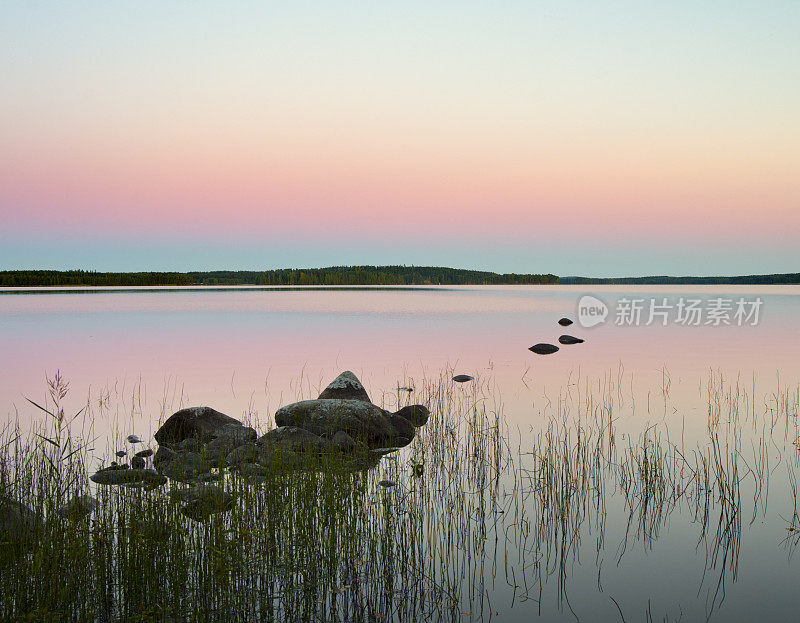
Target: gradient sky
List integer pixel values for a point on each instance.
(586, 137)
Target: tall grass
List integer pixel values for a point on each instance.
(482, 517)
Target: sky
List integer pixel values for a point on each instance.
(588, 137)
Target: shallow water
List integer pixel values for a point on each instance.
(136, 356)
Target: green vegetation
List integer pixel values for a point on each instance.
(479, 520)
(352, 276)
(332, 276)
(782, 278)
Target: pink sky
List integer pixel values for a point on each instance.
(594, 132)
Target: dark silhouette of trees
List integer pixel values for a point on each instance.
(331, 276)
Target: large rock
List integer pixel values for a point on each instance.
(363, 421)
(346, 386)
(203, 423)
(344, 406)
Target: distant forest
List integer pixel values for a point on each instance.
(332, 276)
(783, 278)
(352, 276)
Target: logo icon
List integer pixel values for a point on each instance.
(591, 311)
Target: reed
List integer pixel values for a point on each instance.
(483, 516)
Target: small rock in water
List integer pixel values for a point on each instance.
(463, 378)
(543, 349)
(145, 453)
(387, 483)
(137, 462)
(128, 476)
(569, 339)
(78, 507)
(114, 466)
(565, 322)
(134, 439)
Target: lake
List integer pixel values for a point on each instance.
(703, 378)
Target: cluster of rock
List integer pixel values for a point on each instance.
(342, 425)
(549, 349)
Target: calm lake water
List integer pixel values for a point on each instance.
(135, 356)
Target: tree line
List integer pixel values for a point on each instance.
(331, 276)
(781, 278)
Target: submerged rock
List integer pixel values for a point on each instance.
(128, 476)
(346, 386)
(203, 423)
(78, 507)
(206, 500)
(569, 339)
(185, 467)
(543, 349)
(18, 523)
(565, 322)
(254, 471)
(463, 378)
